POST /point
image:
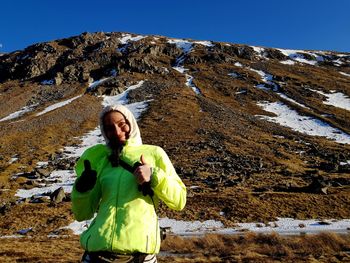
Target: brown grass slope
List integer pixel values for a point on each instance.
(324, 247)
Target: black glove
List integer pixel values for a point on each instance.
(146, 189)
(87, 180)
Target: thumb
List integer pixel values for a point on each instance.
(142, 159)
(87, 165)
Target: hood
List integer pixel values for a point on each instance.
(134, 136)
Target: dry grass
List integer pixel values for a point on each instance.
(324, 247)
(254, 247)
(63, 249)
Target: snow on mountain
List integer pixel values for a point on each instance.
(290, 118)
(336, 99)
(57, 105)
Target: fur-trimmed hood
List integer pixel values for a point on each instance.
(134, 135)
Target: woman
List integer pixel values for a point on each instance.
(126, 227)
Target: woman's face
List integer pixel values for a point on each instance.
(116, 127)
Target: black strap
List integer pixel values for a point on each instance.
(145, 188)
(127, 166)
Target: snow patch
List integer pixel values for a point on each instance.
(336, 99)
(345, 74)
(205, 43)
(244, 91)
(19, 113)
(13, 159)
(121, 98)
(96, 83)
(281, 226)
(79, 227)
(307, 125)
(58, 105)
(345, 163)
(186, 46)
(338, 62)
(297, 55)
(127, 38)
(181, 227)
(295, 226)
(288, 62)
(284, 96)
(180, 69)
(91, 138)
(233, 74)
(41, 164)
(267, 78)
(136, 108)
(189, 83)
(63, 178)
(12, 236)
(260, 51)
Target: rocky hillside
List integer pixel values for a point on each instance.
(256, 133)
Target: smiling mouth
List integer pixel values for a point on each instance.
(118, 140)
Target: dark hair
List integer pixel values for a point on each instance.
(114, 157)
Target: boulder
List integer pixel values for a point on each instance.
(43, 172)
(58, 195)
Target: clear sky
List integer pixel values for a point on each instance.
(294, 24)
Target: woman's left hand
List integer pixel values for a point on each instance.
(143, 172)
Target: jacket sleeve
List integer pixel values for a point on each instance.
(166, 184)
(84, 205)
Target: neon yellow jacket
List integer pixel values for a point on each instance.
(126, 221)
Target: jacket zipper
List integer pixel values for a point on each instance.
(116, 213)
(87, 242)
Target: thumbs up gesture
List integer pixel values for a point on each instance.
(143, 175)
(87, 180)
(143, 171)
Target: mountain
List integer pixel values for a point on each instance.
(256, 133)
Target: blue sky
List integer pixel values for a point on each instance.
(297, 24)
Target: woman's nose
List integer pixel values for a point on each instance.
(117, 130)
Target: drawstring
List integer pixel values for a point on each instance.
(157, 225)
